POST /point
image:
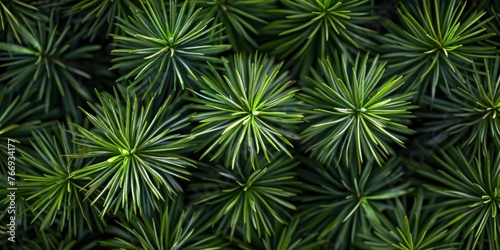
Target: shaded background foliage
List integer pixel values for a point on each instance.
(251, 124)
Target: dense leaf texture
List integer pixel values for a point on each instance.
(137, 149)
(173, 227)
(164, 44)
(286, 237)
(435, 43)
(10, 13)
(51, 238)
(354, 114)
(284, 121)
(494, 25)
(98, 16)
(241, 20)
(311, 29)
(248, 198)
(14, 121)
(341, 201)
(247, 110)
(471, 115)
(19, 118)
(470, 190)
(42, 63)
(415, 230)
(52, 192)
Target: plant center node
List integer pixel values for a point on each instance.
(362, 198)
(125, 152)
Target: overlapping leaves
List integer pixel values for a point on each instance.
(241, 20)
(16, 110)
(10, 17)
(341, 202)
(471, 115)
(47, 182)
(43, 63)
(50, 238)
(469, 188)
(404, 228)
(164, 44)
(19, 118)
(246, 198)
(138, 150)
(173, 227)
(99, 15)
(248, 110)
(354, 114)
(286, 237)
(133, 154)
(310, 29)
(435, 42)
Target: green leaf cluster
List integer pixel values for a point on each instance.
(250, 124)
(353, 114)
(163, 44)
(249, 109)
(138, 153)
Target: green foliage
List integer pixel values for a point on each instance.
(311, 29)
(248, 198)
(14, 121)
(340, 202)
(43, 63)
(414, 230)
(99, 16)
(138, 150)
(250, 108)
(354, 114)
(435, 43)
(240, 20)
(250, 124)
(52, 192)
(22, 219)
(287, 237)
(164, 44)
(10, 13)
(470, 190)
(51, 238)
(173, 227)
(494, 25)
(19, 118)
(473, 110)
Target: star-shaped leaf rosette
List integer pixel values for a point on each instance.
(247, 110)
(138, 153)
(247, 199)
(164, 45)
(434, 43)
(469, 117)
(46, 179)
(306, 30)
(468, 187)
(354, 113)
